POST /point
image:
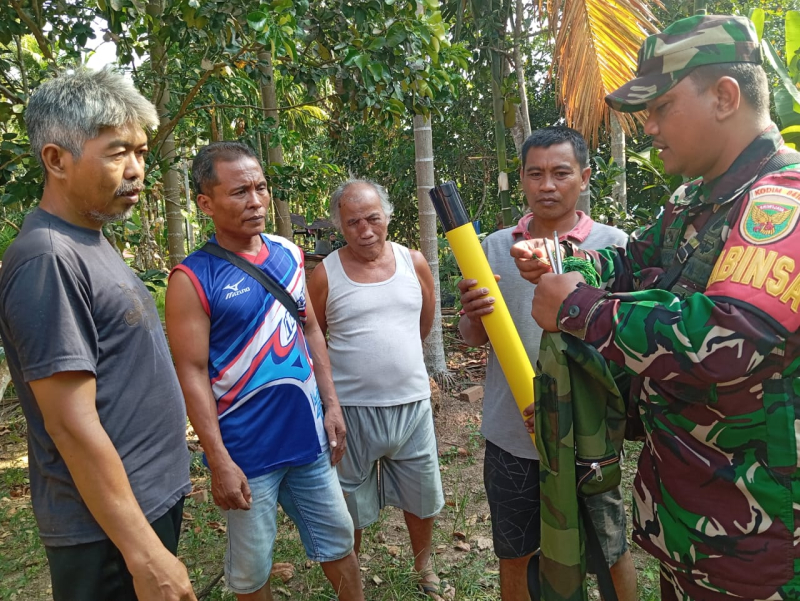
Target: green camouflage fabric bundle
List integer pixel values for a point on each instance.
(580, 428)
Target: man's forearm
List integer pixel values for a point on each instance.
(322, 367)
(201, 408)
(102, 482)
(472, 332)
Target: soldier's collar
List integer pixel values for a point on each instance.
(744, 170)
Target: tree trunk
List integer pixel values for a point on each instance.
(517, 132)
(500, 138)
(585, 202)
(269, 101)
(520, 69)
(189, 206)
(619, 191)
(176, 237)
(5, 376)
(433, 345)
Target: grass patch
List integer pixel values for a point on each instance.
(22, 557)
(386, 558)
(159, 296)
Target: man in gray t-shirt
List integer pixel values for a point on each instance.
(109, 466)
(554, 171)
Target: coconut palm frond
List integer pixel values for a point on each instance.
(596, 43)
(305, 118)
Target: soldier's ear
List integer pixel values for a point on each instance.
(728, 95)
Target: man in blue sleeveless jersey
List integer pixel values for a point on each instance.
(267, 416)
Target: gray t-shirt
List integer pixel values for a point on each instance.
(69, 303)
(502, 423)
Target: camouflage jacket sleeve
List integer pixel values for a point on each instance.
(749, 308)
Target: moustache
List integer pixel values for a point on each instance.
(129, 186)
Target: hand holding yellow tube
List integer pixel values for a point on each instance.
(472, 262)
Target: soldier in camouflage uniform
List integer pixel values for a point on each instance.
(717, 491)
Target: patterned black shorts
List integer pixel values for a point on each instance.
(512, 489)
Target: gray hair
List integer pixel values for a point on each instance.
(336, 199)
(72, 108)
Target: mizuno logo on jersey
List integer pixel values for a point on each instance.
(234, 289)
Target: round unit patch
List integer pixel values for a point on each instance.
(770, 215)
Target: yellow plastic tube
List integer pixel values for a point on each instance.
(499, 326)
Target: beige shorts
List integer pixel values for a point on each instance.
(391, 459)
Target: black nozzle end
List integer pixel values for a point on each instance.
(449, 206)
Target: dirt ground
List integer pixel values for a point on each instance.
(462, 535)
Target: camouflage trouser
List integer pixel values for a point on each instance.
(677, 585)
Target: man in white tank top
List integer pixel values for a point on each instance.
(375, 299)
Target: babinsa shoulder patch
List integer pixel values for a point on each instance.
(771, 214)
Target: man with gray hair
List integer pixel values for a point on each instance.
(109, 466)
(376, 300)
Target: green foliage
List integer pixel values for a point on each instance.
(449, 274)
(648, 189)
(154, 279)
(9, 228)
(603, 178)
(787, 70)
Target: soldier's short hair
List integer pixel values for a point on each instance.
(751, 77)
(557, 134)
(204, 176)
(73, 107)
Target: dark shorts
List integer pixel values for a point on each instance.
(512, 489)
(97, 572)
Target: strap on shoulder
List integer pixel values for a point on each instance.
(271, 286)
(775, 163)
(778, 161)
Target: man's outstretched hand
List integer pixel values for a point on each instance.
(529, 257)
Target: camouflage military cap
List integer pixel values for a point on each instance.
(667, 57)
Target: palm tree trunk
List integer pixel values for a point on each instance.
(433, 345)
(500, 138)
(189, 205)
(619, 190)
(520, 69)
(269, 101)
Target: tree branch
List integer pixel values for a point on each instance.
(167, 127)
(10, 95)
(507, 55)
(11, 223)
(260, 108)
(21, 66)
(14, 160)
(44, 46)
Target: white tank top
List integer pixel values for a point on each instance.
(374, 342)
